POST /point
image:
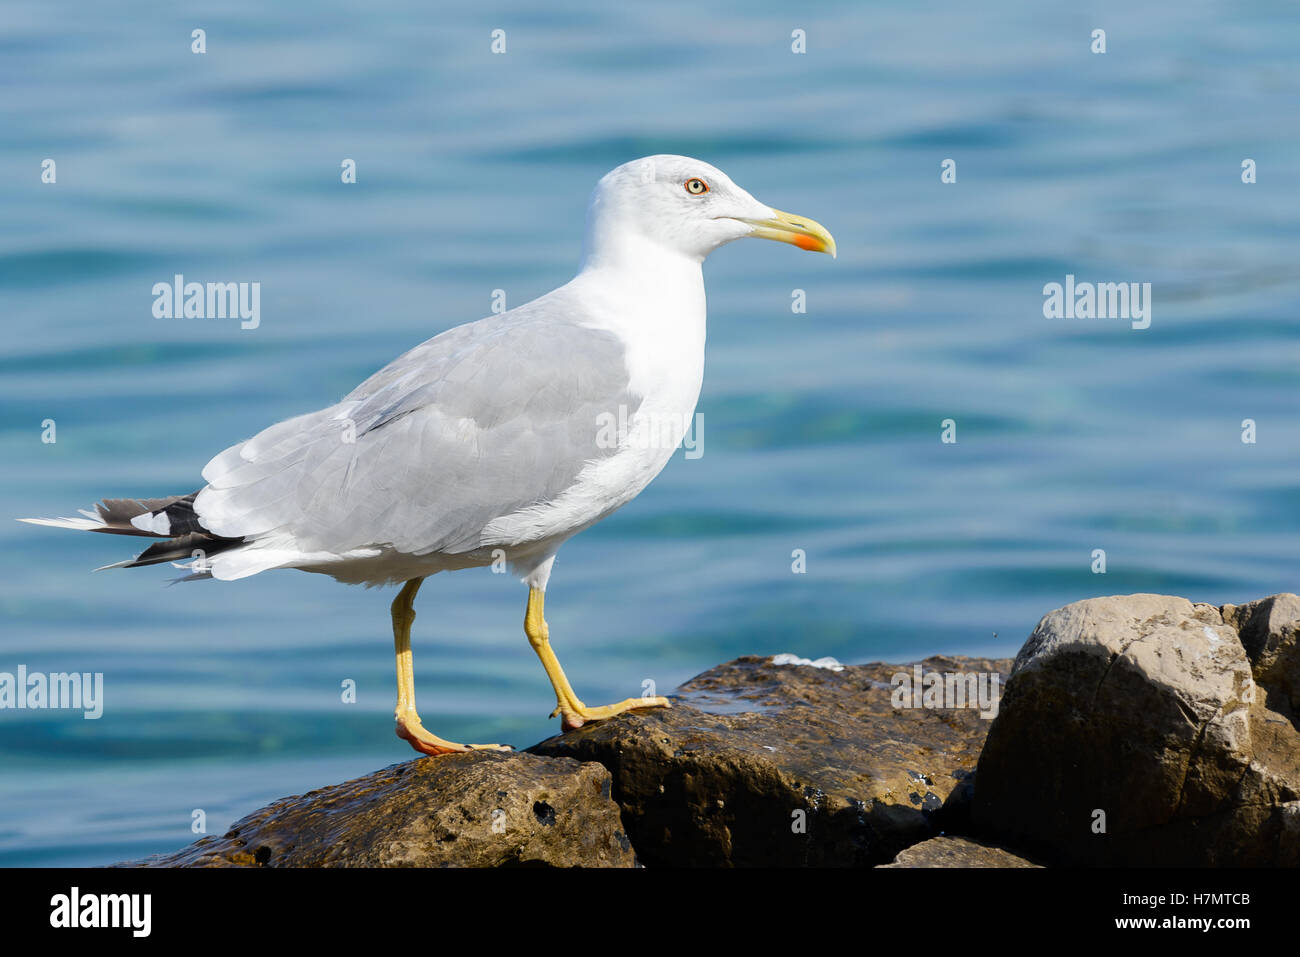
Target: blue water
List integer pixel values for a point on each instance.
(822, 430)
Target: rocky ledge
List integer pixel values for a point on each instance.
(1133, 730)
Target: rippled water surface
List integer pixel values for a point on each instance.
(822, 429)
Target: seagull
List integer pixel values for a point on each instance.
(495, 441)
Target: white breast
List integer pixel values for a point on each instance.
(659, 313)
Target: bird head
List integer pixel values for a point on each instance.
(689, 207)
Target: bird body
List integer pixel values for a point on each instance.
(501, 438)
(527, 388)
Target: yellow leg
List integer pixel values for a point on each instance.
(408, 721)
(574, 713)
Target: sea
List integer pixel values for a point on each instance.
(901, 452)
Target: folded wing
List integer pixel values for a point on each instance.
(476, 423)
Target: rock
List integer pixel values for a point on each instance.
(1173, 724)
(764, 765)
(958, 852)
(1145, 709)
(1270, 632)
(466, 810)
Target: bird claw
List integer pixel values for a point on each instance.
(410, 730)
(575, 716)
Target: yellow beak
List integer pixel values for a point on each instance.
(797, 230)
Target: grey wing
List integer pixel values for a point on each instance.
(474, 424)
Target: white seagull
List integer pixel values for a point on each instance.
(491, 440)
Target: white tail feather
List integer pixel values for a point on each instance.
(80, 524)
(121, 564)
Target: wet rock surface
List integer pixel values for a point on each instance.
(958, 852)
(1143, 730)
(759, 764)
(464, 810)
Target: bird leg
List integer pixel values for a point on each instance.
(408, 721)
(574, 713)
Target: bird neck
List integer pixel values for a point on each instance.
(647, 277)
(648, 293)
(616, 246)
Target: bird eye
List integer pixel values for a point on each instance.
(696, 186)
